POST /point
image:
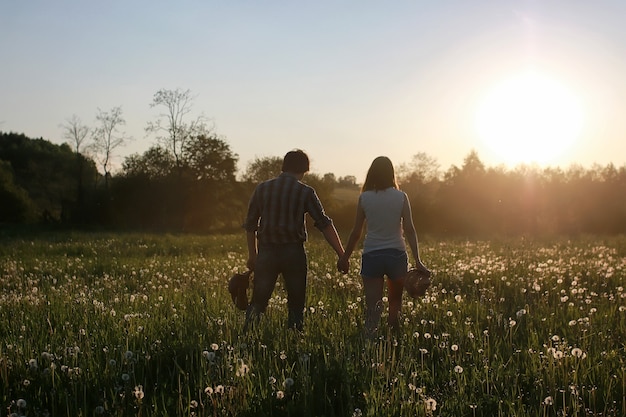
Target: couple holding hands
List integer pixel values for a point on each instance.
(276, 232)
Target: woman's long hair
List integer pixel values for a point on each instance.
(380, 176)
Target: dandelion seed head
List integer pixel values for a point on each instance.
(431, 404)
(138, 392)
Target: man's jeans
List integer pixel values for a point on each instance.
(290, 260)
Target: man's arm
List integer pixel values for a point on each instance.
(332, 237)
(343, 264)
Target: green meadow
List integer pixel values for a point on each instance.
(143, 325)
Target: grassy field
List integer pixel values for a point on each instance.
(142, 325)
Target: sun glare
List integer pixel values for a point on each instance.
(529, 118)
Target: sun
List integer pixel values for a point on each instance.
(529, 118)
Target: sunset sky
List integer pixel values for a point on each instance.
(516, 81)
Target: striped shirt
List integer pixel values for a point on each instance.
(277, 208)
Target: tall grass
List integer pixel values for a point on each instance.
(142, 325)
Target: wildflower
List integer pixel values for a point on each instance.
(208, 390)
(357, 413)
(214, 346)
(578, 353)
(243, 370)
(128, 355)
(26, 382)
(431, 404)
(193, 404)
(219, 389)
(512, 323)
(283, 355)
(21, 403)
(427, 336)
(416, 335)
(454, 348)
(548, 400)
(280, 395)
(458, 369)
(32, 364)
(125, 377)
(458, 298)
(272, 380)
(138, 392)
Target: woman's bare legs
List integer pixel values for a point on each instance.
(395, 289)
(373, 288)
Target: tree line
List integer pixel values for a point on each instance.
(45, 183)
(187, 181)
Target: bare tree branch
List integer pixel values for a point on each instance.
(75, 132)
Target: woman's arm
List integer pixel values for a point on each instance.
(355, 236)
(409, 232)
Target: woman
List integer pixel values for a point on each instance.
(387, 212)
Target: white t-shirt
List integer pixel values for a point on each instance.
(383, 215)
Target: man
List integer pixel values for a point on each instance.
(276, 232)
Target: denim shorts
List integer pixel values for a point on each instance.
(390, 262)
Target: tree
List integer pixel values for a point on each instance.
(348, 180)
(155, 163)
(76, 133)
(107, 138)
(263, 169)
(171, 127)
(210, 158)
(16, 207)
(422, 168)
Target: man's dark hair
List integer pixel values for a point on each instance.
(296, 161)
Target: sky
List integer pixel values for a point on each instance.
(346, 81)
